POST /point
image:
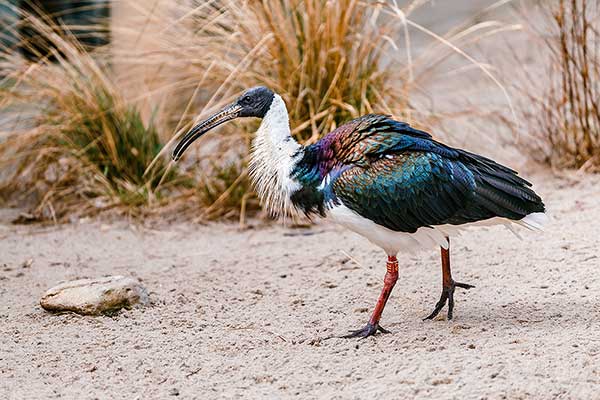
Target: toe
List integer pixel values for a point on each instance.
(438, 307)
(368, 330)
(353, 334)
(463, 285)
(382, 329)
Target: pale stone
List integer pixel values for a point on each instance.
(95, 296)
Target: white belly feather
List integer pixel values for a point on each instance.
(393, 242)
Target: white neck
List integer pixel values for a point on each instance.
(274, 155)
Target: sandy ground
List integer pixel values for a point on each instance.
(248, 314)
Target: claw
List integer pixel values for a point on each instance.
(447, 296)
(463, 285)
(369, 330)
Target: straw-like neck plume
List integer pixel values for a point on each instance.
(274, 155)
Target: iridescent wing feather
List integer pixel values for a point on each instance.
(400, 178)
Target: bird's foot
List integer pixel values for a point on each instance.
(447, 296)
(369, 330)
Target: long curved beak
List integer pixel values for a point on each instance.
(230, 112)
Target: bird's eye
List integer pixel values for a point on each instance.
(245, 100)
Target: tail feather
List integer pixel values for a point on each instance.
(534, 221)
(501, 192)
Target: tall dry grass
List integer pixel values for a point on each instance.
(330, 61)
(562, 106)
(325, 58)
(82, 148)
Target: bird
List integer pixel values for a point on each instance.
(393, 184)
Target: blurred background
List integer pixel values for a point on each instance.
(92, 93)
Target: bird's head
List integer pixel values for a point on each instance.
(253, 102)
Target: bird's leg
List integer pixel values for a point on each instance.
(448, 286)
(391, 276)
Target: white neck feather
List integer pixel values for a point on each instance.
(274, 154)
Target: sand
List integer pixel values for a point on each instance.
(250, 314)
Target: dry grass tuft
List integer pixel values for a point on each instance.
(565, 117)
(83, 148)
(226, 193)
(324, 58)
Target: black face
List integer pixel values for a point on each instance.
(255, 102)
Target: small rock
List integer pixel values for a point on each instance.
(95, 296)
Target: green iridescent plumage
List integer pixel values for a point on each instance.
(407, 190)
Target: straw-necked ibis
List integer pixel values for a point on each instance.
(391, 183)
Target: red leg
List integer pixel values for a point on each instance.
(446, 273)
(448, 286)
(391, 276)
